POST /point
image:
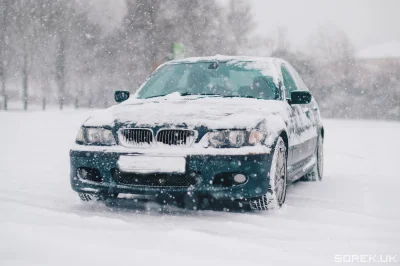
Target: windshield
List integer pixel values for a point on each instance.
(225, 79)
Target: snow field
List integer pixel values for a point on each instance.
(354, 210)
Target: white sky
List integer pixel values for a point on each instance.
(366, 22)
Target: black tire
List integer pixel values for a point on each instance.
(276, 194)
(318, 170)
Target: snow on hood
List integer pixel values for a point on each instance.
(194, 111)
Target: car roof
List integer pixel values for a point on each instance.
(224, 58)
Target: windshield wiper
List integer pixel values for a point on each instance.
(200, 94)
(155, 96)
(184, 94)
(239, 96)
(205, 94)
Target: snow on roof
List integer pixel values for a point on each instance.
(223, 58)
(384, 50)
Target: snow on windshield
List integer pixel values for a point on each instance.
(234, 78)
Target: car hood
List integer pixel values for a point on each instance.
(192, 112)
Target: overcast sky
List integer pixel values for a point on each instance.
(367, 22)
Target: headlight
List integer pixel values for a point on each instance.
(255, 137)
(95, 136)
(81, 135)
(218, 138)
(234, 138)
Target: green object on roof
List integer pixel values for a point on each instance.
(178, 50)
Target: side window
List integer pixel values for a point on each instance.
(298, 80)
(288, 81)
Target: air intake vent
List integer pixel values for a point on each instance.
(176, 137)
(156, 180)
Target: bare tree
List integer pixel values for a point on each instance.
(241, 24)
(60, 70)
(5, 10)
(277, 42)
(25, 28)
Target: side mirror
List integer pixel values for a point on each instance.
(121, 96)
(300, 97)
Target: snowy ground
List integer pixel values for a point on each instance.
(354, 210)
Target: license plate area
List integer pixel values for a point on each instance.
(151, 164)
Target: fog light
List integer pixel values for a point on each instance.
(239, 178)
(82, 173)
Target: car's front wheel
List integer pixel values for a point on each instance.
(276, 194)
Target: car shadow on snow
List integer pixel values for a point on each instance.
(151, 207)
(185, 207)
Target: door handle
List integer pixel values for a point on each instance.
(315, 108)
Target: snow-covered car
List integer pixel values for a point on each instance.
(202, 129)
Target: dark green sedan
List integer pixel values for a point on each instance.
(233, 129)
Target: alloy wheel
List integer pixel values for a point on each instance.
(320, 158)
(280, 175)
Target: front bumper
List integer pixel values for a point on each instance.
(253, 162)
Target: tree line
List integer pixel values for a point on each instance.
(54, 49)
(345, 85)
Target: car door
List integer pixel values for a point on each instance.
(310, 121)
(294, 128)
(300, 144)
